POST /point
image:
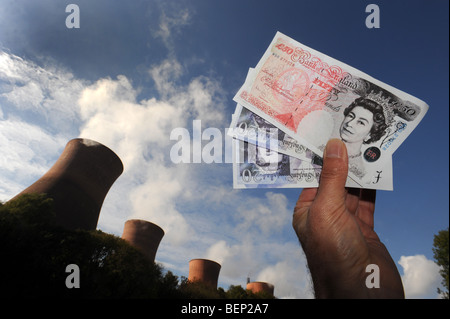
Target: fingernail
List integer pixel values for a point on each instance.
(334, 149)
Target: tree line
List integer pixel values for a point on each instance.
(35, 253)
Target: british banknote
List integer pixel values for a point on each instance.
(249, 127)
(255, 166)
(313, 97)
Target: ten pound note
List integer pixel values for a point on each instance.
(266, 157)
(313, 97)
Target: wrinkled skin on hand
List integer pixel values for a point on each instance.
(335, 227)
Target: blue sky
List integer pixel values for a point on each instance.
(135, 70)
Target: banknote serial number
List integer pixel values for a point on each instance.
(248, 177)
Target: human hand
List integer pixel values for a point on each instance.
(335, 227)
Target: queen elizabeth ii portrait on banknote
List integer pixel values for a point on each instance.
(364, 122)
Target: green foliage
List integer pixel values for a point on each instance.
(169, 288)
(198, 290)
(237, 292)
(441, 255)
(35, 253)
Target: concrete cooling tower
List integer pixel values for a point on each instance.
(259, 286)
(205, 271)
(78, 183)
(144, 236)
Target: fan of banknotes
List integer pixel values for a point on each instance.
(295, 100)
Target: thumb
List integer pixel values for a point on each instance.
(334, 173)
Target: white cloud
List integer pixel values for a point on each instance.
(252, 256)
(156, 200)
(269, 215)
(164, 75)
(420, 276)
(255, 248)
(170, 24)
(139, 133)
(201, 217)
(38, 116)
(201, 98)
(290, 277)
(107, 111)
(236, 260)
(44, 96)
(12, 68)
(43, 107)
(29, 96)
(26, 153)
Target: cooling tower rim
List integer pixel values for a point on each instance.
(93, 143)
(204, 259)
(143, 221)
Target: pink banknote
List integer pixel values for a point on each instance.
(313, 97)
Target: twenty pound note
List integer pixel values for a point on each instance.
(313, 97)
